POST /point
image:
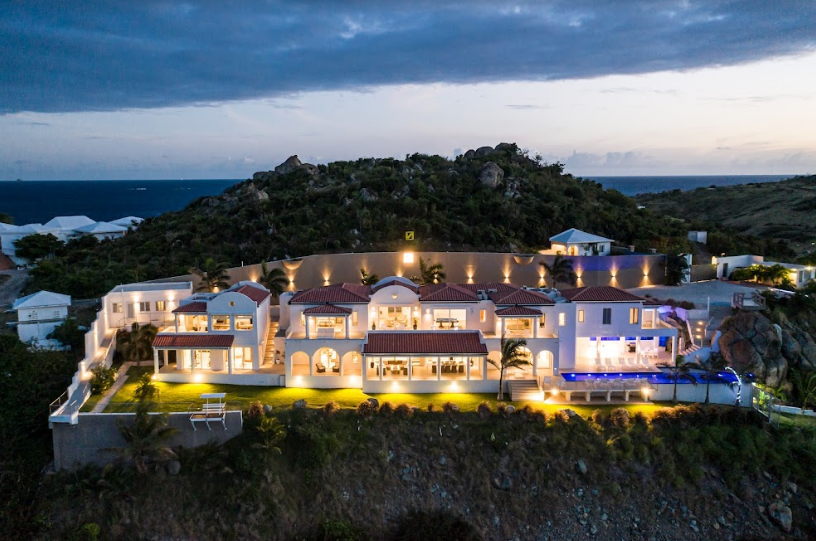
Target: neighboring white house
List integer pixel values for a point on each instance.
(128, 222)
(101, 230)
(64, 228)
(698, 236)
(579, 243)
(38, 315)
(800, 275)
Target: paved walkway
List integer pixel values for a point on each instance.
(720, 292)
(120, 381)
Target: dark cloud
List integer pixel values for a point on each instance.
(77, 56)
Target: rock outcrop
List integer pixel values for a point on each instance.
(491, 175)
(291, 164)
(751, 343)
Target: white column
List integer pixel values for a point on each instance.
(311, 360)
(410, 368)
(467, 367)
(175, 317)
(229, 361)
(340, 357)
(155, 361)
(180, 359)
(535, 327)
(348, 325)
(307, 326)
(438, 369)
(192, 360)
(503, 325)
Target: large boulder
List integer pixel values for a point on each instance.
(491, 175)
(751, 343)
(291, 164)
(484, 151)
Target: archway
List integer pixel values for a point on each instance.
(300, 364)
(544, 363)
(352, 364)
(326, 362)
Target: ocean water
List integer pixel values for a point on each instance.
(39, 201)
(651, 184)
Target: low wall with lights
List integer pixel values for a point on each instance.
(431, 386)
(622, 271)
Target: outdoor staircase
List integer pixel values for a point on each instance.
(688, 353)
(524, 390)
(269, 352)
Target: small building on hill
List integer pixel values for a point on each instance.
(38, 315)
(579, 243)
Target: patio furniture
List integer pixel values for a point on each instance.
(321, 368)
(213, 410)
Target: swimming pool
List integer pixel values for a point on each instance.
(655, 377)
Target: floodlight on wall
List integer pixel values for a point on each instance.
(408, 257)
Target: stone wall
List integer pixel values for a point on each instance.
(95, 439)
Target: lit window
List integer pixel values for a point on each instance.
(302, 319)
(580, 316)
(161, 306)
(562, 319)
(144, 306)
(607, 316)
(634, 316)
(542, 321)
(243, 323)
(117, 308)
(354, 318)
(220, 323)
(482, 315)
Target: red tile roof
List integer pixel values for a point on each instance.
(327, 309)
(446, 293)
(395, 282)
(335, 294)
(424, 343)
(195, 307)
(599, 294)
(518, 311)
(255, 293)
(193, 341)
(487, 286)
(520, 296)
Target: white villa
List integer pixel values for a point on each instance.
(800, 275)
(397, 336)
(64, 228)
(38, 315)
(575, 242)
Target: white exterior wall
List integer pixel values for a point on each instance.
(35, 324)
(726, 265)
(581, 249)
(234, 304)
(133, 298)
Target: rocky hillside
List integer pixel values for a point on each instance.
(490, 199)
(781, 211)
(750, 342)
(402, 475)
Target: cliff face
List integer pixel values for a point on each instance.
(750, 342)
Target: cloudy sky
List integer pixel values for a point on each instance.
(156, 89)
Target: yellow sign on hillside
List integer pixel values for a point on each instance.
(409, 235)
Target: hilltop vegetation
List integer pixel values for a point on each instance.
(490, 199)
(779, 214)
(399, 474)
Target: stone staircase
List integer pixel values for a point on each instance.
(524, 390)
(688, 353)
(269, 352)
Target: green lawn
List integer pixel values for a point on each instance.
(797, 421)
(180, 396)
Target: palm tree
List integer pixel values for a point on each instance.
(274, 280)
(431, 274)
(561, 271)
(146, 388)
(677, 268)
(512, 356)
(137, 345)
(680, 370)
(213, 275)
(711, 368)
(805, 387)
(368, 279)
(147, 438)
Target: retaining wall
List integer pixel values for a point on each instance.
(622, 271)
(95, 439)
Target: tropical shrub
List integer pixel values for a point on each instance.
(102, 379)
